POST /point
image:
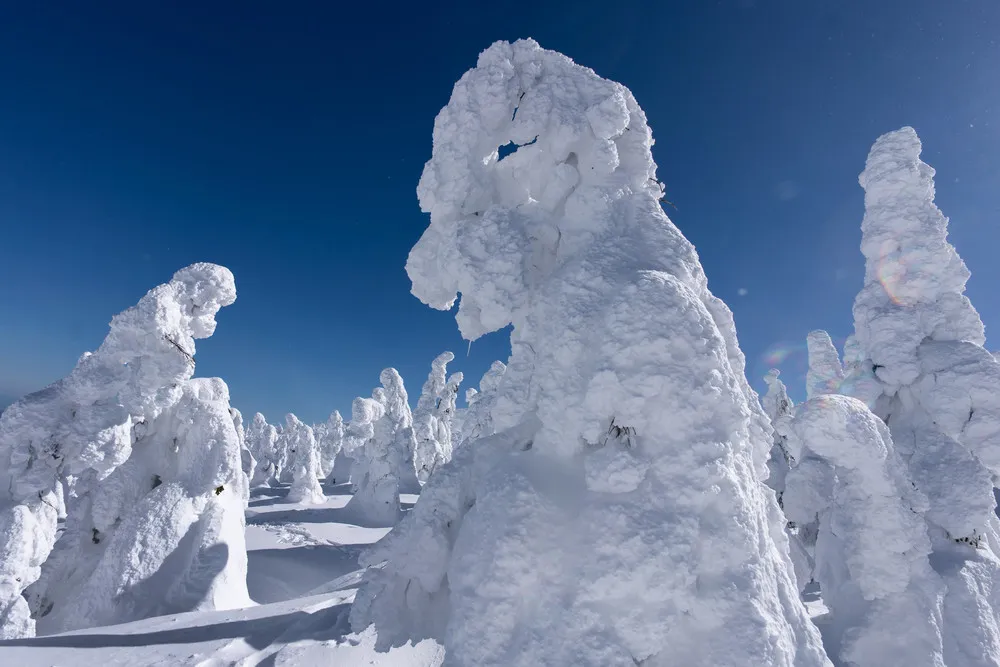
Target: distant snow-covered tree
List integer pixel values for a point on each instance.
(123, 401)
(262, 441)
(429, 449)
(247, 459)
(477, 422)
(376, 498)
(621, 494)
(303, 459)
(330, 438)
(826, 373)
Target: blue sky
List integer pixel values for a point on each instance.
(285, 140)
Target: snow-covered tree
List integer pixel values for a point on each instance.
(123, 397)
(398, 430)
(248, 461)
(303, 460)
(330, 438)
(940, 389)
(444, 416)
(429, 449)
(376, 499)
(262, 441)
(826, 373)
(477, 422)
(621, 493)
(872, 548)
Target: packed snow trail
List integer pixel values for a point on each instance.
(597, 527)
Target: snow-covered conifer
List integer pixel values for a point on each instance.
(248, 460)
(84, 427)
(330, 439)
(477, 422)
(940, 389)
(376, 499)
(398, 430)
(303, 459)
(621, 493)
(871, 551)
(444, 416)
(429, 449)
(826, 373)
(262, 440)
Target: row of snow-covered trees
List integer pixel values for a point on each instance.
(149, 469)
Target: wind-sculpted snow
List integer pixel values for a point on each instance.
(826, 373)
(84, 426)
(617, 516)
(303, 455)
(872, 546)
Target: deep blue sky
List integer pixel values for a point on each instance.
(285, 140)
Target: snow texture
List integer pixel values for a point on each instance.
(826, 373)
(83, 428)
(303, 458)
(514, 556)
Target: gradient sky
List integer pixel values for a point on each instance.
(285, 141)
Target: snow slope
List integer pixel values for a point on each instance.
(303, 567)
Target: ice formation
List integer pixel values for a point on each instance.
(597, 527)
(826, 373)
(430, 451)
(303, 459)
(125, 402)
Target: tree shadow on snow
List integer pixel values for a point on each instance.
(344, 515)
(276, 575)
(258, 632)
(341, 489)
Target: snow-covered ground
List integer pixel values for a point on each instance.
(303, 569)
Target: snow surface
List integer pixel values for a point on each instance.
(303, 569)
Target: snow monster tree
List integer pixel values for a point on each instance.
(145, 446)
(617, 518)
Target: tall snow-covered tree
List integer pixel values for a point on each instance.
(303, 459)
(247, 460)
(940, 389)
(640, 535)
(83, 427)
(429, 450)
(444, 416)
(826, 373)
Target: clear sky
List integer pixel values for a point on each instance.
(285, 140)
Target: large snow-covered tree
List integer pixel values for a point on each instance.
(621, 495)
(330, 439)
(939, 393)
(304, 461)
(376, 497)
(125, 395)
